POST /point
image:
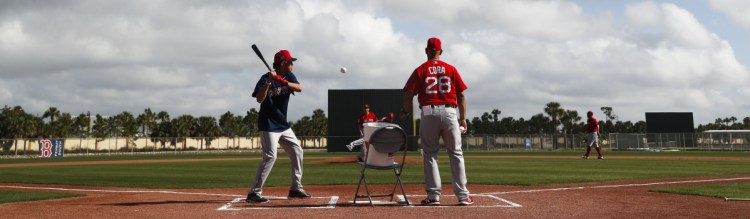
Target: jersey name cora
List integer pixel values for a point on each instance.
(436, 70)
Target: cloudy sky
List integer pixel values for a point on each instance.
(194, 57)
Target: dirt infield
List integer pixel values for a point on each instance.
(617, 199)
(614, 199)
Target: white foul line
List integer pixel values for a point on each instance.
(120, 191)
(615, 186)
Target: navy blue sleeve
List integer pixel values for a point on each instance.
(259, 86)
(292, 78)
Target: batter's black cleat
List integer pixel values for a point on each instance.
(298, 194)
(255, 198)
(429, 201)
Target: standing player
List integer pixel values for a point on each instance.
(367, 116)
(439, 88)
(593, 139)
(272, 92)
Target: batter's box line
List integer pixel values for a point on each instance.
(228, 206)
(509, 203)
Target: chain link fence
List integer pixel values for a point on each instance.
(717, 141)
(520, 142)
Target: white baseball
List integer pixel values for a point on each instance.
(343, 70)
(463, 130)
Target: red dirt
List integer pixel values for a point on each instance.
(615, 199)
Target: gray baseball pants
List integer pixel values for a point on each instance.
(269, 142)
(436, 123)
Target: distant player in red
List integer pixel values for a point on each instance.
(593, 129)
(367, 116)
(439, 89)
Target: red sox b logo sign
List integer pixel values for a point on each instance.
(51, 148)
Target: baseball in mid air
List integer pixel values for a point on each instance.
(343, 70)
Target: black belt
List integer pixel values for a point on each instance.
(444, 105)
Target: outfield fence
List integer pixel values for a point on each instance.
(681, 141)
(613, 141)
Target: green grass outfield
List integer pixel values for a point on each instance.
(512, 168)
(16, 196)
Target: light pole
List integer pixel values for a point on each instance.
(88, 131)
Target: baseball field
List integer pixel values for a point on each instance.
(503, 184)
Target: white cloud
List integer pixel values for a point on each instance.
(194, 57)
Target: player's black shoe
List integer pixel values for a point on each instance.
(429, 201)
(298, 194)
(255, 198)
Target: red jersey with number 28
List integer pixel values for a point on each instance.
(435, 83)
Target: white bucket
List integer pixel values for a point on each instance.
(374, 157)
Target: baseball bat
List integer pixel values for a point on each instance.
(260, 55)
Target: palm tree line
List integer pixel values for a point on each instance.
(15, 123)
(553, 119)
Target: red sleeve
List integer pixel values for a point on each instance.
(413, 85)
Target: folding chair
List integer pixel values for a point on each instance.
(388, 139)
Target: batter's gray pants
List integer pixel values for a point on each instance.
(270, 141)
(436, 124)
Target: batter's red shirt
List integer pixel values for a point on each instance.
(366, 117)
(593, 125)
(435, 83)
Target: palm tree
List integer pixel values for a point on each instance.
(64, 126)
(163, 129)
(128, 127)
(319, 124)
(568, 119)
(52, 112)
(303, 126)
(554, 111)
(12, 122)
(183, 127)
(100, 130)
(81, 125)
(146, 120)
(114, 128)
(228, 125)
(250, 122)
(206, 129)
(495, 112)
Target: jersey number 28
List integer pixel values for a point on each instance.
(440, 84)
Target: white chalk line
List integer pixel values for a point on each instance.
(119, 191)
(334, 199)
(228, 206)
(510, 204)
(615, 186)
